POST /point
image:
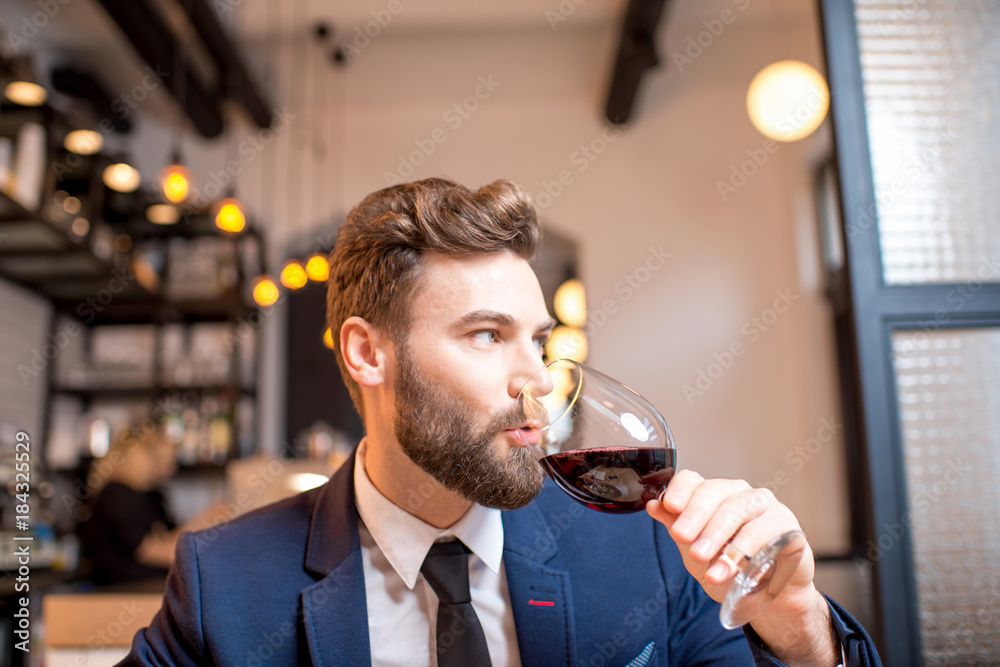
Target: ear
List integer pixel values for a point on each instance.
(364, 349)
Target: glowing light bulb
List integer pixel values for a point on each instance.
(83, 142)
(293, 276)
(175, 181)
(318, 268)
(562, 386)
(567, 343)
(121, 177)
(570, 303)
(230, 217)
(26, 93)
(265, 292)
(787, 100)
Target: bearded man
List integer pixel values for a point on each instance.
(439, 542)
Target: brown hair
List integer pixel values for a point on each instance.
(375, 265)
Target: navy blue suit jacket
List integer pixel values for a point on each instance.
(284, 585)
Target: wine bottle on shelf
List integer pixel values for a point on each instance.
(244, 426)
(29, 166)
(188, 454)
(6, 154)
(221, 433)
(174, 422)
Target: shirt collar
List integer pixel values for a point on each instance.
(405, 539)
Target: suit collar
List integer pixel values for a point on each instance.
(528, 535)
(335, 608)
(404, 538)
(333, 531)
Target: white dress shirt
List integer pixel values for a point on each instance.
(402, 608)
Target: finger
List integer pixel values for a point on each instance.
(750, 538)
(730, 560)
(677, 494)
(735, 511)
(777, 520)
(702, 506)
(659, 512)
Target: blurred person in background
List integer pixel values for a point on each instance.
(130, 534)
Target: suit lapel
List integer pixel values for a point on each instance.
(540, 595)
(334, 609)
(335, 612)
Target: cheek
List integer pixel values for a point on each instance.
(476, 381)
(479, 392)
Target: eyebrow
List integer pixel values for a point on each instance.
(503, 319)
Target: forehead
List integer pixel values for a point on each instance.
(451, 287)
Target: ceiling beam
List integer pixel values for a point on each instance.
(235, 81)
(636, 54)
(156, 43)
(163, 50)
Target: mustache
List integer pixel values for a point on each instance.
(507, 419)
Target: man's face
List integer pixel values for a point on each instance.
(476, 331)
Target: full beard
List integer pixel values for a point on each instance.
(438, 433)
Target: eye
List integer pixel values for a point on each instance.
(540, 343)
(488, 336)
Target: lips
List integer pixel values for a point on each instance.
(526, 434)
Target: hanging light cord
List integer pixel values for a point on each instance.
(180, 81)
(293, 208)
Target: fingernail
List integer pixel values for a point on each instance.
(718, 571)
(682, 526)
(669, 498)
(702, 547)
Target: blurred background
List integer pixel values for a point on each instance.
(775, 219)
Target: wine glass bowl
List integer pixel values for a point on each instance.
(596, 438)
(611, 450)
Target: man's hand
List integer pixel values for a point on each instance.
(702, 515)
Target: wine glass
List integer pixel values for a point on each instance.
(608, 448)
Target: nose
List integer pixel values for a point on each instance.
(527, 367)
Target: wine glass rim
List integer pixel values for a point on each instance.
(579, 388)
(576, 391)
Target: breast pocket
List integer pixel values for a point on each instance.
(644, 657)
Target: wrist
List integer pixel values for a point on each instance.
(798, 629)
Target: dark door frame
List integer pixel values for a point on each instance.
(877, 310)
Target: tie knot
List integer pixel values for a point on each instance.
(446, 569)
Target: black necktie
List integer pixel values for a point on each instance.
(460, 638)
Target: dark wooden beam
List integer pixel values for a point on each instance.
(636, 54)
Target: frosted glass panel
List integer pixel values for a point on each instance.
(949, 399)
(931, 72)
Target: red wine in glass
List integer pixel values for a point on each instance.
(616, 480)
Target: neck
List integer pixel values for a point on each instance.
(406, 485)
